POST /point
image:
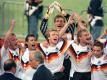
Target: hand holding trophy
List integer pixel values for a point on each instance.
(50, 10)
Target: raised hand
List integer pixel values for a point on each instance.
(12, 23)
(7, 42)
(50, 10)
(90, 54)
(77, 17)
(71, 19)
(57, 6)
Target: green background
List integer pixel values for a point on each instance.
(15, 9)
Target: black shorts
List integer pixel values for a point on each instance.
(82, 76)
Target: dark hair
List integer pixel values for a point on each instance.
(27, 38)
(59, 16)
(8, 64)
(29, 35)
(99, 44)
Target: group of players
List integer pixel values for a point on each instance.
(69, 50)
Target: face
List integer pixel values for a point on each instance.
(59, 23)
(97, 51)
(12, 42)
(33, 63)
(53, 38)
(31, 43)
(85, 37)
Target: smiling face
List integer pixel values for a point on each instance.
(59, 22)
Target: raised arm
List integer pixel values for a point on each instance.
(44, 23)
(72, 26)
(43, 27)
(81, 23)
(6, 41)
(70, 22)
(12, 24)
(102, 38)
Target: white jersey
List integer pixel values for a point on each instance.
(55, 55)
(105, 48)
(99, 68)
(12, 54)
(79, 57)
(28, 74)
(25, 59)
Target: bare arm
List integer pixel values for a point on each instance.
(81, 23)
(71, 27)
(6, 42)
(63, 30)
(102, 37)
(12, 24)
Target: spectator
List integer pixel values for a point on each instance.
(34, 13)
(95, 11)
(10, 70)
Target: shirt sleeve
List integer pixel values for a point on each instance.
(43, 27)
